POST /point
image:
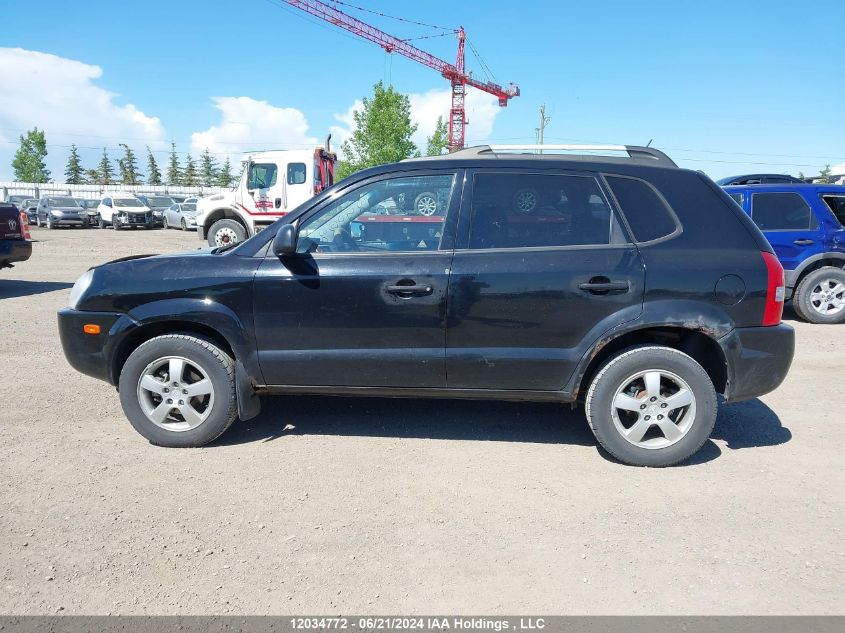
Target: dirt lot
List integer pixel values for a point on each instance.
(374, 506)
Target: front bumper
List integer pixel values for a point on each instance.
(14, 251)
(92, 354)
(758, 360)
(73, 220)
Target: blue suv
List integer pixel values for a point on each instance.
(805, 224)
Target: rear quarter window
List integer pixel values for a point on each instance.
(836, 203)
(647, 213)
(781, 211)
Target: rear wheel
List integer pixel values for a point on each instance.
(179, 390)
(820, 296)
(651, 406)
(225, 232)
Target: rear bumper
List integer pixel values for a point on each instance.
(12, 251)
(92, 354)
(758, 360)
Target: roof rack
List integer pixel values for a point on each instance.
(637, 153)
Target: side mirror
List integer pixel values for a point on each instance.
(284, 243)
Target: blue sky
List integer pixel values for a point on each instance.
(727, 87)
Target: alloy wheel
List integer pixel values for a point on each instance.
(175, 393)
(653, 409)
(828, 297)
(426, 205)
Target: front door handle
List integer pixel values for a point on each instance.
(409, 290)
(604, 286)
(803, 242)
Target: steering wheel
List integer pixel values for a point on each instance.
(343, 241)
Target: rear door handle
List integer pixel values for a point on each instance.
(803, 242)
(409, 290)
(601, 287)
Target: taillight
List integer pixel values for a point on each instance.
(24, 222)
(775, 290)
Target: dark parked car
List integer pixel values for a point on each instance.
(90, 207)
(56, 211)
(30, 207)
(14, 245)
(158, 204)
(758, 179)
(632, 286)
(805, 224)
(17, 200)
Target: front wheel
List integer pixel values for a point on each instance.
(651, 406)
(178, 390)
(184, 225)
(426, 204)
(115, 223)
(164, 223)
(820, 296)
(101, 222)
(50, 224)
(225, 232)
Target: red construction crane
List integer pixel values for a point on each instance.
(455, 73)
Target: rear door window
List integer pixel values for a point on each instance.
(296, 173)
(837, 205)
(781, 211)
(524, 210)
(648, 215)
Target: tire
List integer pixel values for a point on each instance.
(101, 222)
(226, 231)
(213, 412)
(622, 380)
(38, 221)
(820, 296)
(50, 224)
(115, 223)
(184, 225)
(426, 204)
(524, 200)
(164, 223)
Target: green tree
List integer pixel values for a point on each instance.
(153, 172)
(74, 173)
(824, 174)
(28, 162)
(208, 169)
(92, 176)
(438, 142)
(105, 171)
(190, 177)
(382, 134)
(174, 171)
(128, 166)
(224, 176)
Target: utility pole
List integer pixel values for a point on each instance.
(544, 120)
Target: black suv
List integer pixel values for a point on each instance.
(622, 282)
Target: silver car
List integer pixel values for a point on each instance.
(181, 216)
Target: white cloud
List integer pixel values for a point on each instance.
(248, 125)
(59, 95)
(481, 111)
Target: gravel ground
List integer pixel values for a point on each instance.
(408, 506)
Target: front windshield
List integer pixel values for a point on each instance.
(62, 202)
(127, 202)
(189, 208)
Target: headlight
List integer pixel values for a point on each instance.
(157, 213)
(79, 288)
(57, 212)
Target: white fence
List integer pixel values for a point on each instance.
(36, 190)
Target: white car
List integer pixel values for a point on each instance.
(123, 210)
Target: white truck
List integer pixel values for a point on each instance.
(272, 184)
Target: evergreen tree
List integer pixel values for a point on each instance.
(224, 176)
(208, 169)
(92, 176)
(190, 177)
(74, 173)
(28, 162)
(382, 134)
(438, 142)
(153, 172)
(105, 171)
(128, 166)
(824, 175)
(174, 171)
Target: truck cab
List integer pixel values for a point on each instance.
(271, 185)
